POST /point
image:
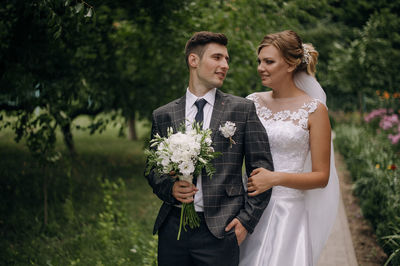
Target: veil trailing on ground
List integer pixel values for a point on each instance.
(321, 204)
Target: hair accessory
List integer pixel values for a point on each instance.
(306, 55)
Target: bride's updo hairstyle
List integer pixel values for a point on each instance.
(294, 51)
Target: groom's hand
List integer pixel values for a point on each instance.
(183, 191)
(240, 230)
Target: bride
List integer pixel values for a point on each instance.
(296, 224)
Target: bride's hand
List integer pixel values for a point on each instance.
(260, 180)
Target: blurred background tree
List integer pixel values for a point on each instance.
(68, 58)
(368, 63)
(52, 56)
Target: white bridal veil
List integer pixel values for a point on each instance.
(322, 204)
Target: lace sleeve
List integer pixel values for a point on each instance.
(312, 106)
(321, 102)
(252, 97)
(262, 111)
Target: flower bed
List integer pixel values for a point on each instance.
(373, 162)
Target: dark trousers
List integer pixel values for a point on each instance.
(196, 247)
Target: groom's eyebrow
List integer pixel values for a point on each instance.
(221, 55)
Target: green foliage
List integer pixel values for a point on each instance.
(246, 24)
(50, 64)
(149, 59)
(373, 165)
(101, 210)
(356, 13)
(75, 59)
(370, 61)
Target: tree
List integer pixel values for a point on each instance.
(149, 59)
(51, 55)
(43, 69)
(369, 62)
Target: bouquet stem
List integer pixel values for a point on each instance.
(188, 217)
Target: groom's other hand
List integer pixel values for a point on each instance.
(240, 230)
(183, 191)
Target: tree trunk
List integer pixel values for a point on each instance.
(68, 139)
(132, 127)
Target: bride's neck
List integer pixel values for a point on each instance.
(286, 90)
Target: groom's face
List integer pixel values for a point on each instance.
(213, 66)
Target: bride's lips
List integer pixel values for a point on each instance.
(264, 76)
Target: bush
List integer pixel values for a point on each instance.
(373, 163)
(100, 207)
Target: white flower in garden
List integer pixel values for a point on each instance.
(133, 250)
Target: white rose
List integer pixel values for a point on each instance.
(186, 168)
(228, 130)
(176, 156)
(194, 148)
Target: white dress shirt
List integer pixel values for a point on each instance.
(190, 114)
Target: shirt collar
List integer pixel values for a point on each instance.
(209, 97)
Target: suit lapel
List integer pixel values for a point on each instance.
(179, 113)
(218, 110)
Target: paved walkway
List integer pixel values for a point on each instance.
(339, 250)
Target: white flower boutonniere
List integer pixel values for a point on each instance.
(228, 130)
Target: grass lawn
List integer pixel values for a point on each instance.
(100, 208)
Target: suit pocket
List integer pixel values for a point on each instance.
(231, 237)
(234, 189)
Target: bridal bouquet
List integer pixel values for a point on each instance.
(183, 155)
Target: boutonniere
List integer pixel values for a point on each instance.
(228, 130)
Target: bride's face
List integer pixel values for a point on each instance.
(272, 67)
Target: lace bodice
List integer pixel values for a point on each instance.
(287, 129)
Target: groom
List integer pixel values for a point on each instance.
(226, 214)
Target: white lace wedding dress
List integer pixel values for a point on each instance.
(283, 234)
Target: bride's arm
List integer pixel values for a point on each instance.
(320, 145)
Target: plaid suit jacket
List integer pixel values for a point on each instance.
(224, 195)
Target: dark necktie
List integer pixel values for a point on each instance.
(199, 119)
(200, 106)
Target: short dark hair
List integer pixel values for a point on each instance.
(199, 40)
